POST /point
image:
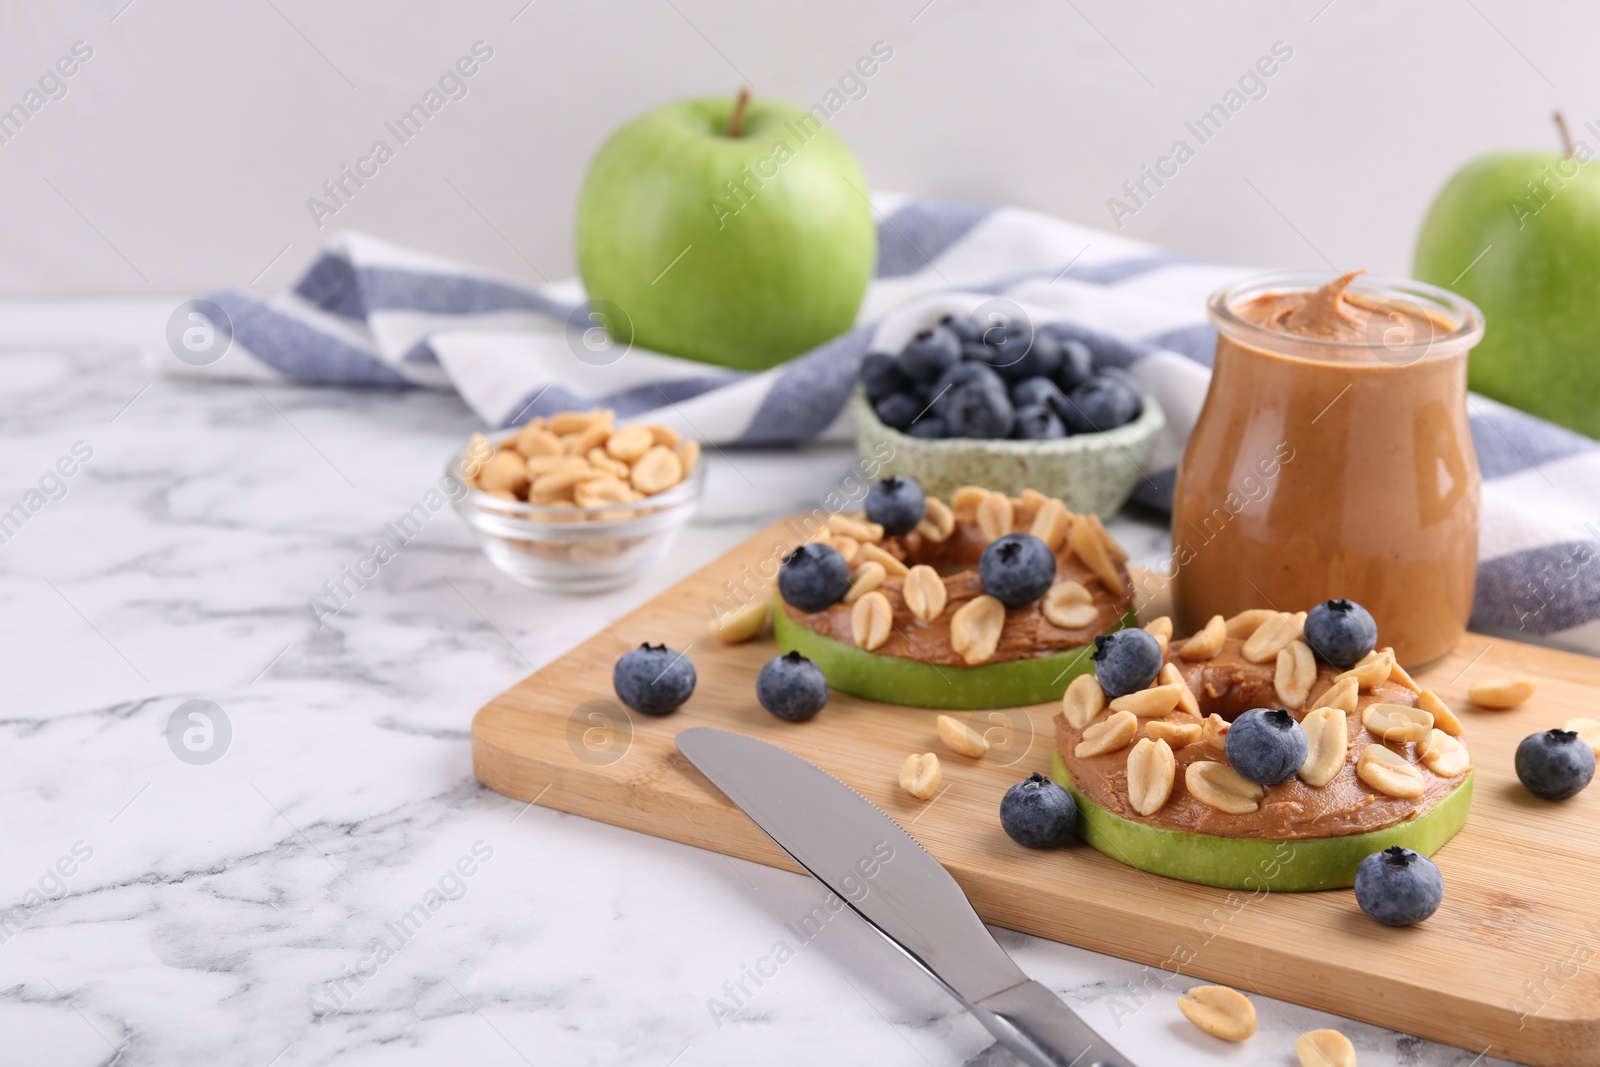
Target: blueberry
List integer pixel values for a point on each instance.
(792, 687)
(963, 327)
(1340, 632)
(896, 503)
(929, 428)
(1398, 887)
(1555, 764)
(1017, 569)
(976, 411)
(653, 679)
(976, 352)
(899, 410)
(1040, 358)
(1077, 365)
(1104, 402)
(813, 576)
(1009, 347)
(882, 376)
(1126, 661)
(1031, 391)
(1037, 423)
(975, 373)
(930, 353)
(1265, 746)
(1038, 813)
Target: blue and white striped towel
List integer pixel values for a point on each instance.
(370, 313)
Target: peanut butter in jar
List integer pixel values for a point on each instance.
(1333, 458)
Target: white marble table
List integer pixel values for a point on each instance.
(164, 912)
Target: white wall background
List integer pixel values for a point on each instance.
(182, 155)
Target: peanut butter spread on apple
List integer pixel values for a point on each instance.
(952, 549)
(1227, 685)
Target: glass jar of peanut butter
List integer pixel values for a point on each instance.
(1333, 458)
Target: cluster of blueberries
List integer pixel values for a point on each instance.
(961, 378)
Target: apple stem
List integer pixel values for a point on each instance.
(1566, 134)
(737, 120)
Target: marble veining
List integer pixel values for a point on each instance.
(337, 888)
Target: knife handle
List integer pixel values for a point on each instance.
(1042, 1031)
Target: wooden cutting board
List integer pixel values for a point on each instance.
(1509, 965)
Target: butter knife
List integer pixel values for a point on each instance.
(849, 845)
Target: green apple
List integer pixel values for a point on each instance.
(918, 684)
(1257, 863)
(732, 234)
(1518, 234)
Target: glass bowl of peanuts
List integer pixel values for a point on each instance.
(575, 503)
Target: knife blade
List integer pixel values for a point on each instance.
(885, 876)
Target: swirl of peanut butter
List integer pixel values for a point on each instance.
(1328, 314)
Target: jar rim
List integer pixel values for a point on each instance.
(1419, 298)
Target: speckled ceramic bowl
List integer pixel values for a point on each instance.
(1090, 472)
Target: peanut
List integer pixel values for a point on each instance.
(1069, 605)
(1443, 717)
(1396, 722)
(749, 620)
(851, 526)
(1399, 675)
(1110, 734)
(938, 521)
(961, 738)
(1444, 755)
(1208, 642)
(975, 629)
(1501, 694)
(1246, 623)
(1161, 630)
(659, 469)
(1324, 1048)
(924, 591)
(1327, 744)
(1150, 703)
(1388, 773)
(996, 516)
(889, 562)
(1219, 786)
(1270, 638)
(1083, 700)
(506, 471)
(1295, 673)
(534, 440)
(1175, 734)
(1341, 695)
(630, 442)
(1218, 1010)
(968, 496)
(867, 577)
(1374, 668)
(1088, 545)
(871, 620)
(1214, 734)
(920, 775)
(1050, 523)
(1171, 675)
(1151, 771)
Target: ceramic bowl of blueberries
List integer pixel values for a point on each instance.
(1009, 408)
